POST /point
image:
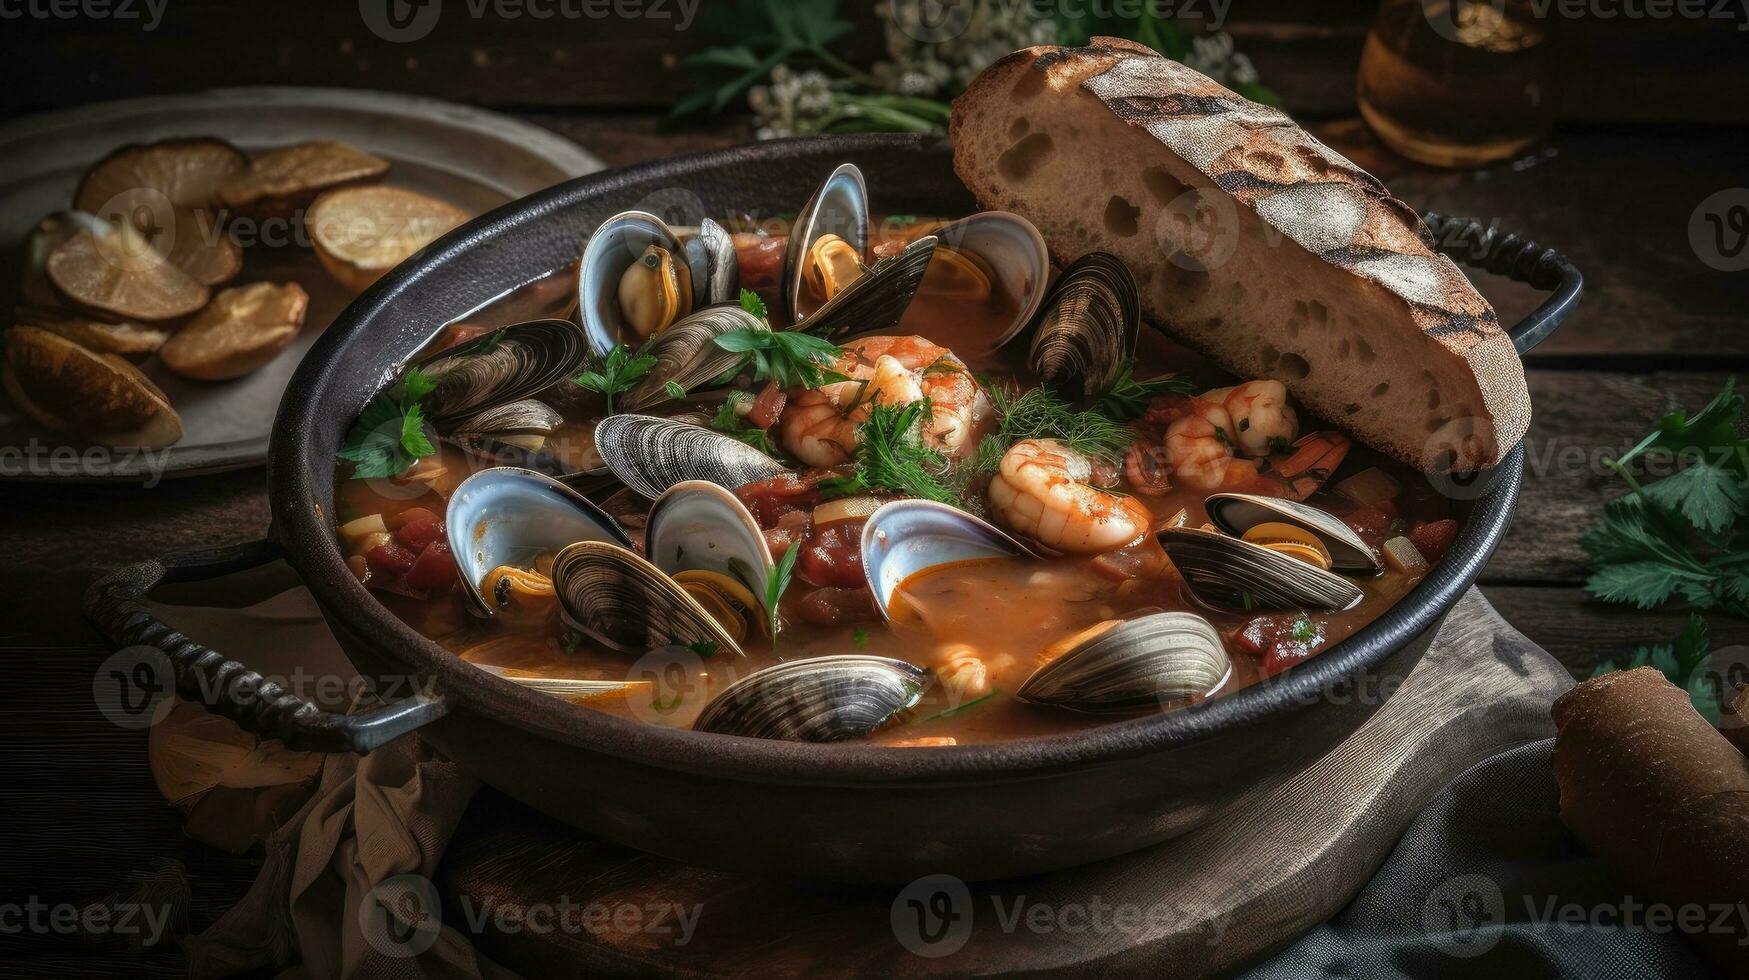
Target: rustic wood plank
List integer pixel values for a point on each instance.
(1581, 632)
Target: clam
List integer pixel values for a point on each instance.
(508, 517)
(514, 433)
(638, 278)
(906, 537)
(1087, 329)
(1230, 573)
(506, 365)
(1158, 660)
(705, 539)
(830, 228)
(614, 595)
(650, 454)
(687, 354)
(824, 699)
(1240, 514)
(988, 254)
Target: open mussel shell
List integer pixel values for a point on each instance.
(1087, 328)
(1156, 661)
(1224, 572)
(824, 699)
(875, 301)
(507, 365)
(617, 597)
(1008, 250)
(621, 242)
(508, 516)
(687, 354)
(702, 536)
(839, 207)
(1236, 513)
(905, 537)
(651, 454)
(716, 272)
(517, 430)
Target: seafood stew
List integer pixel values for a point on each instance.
(891, 480)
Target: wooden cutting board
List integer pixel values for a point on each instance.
(1287, 854)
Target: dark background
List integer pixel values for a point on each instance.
(1652, 123)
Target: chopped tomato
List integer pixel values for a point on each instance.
(769, 500)
(833, 606)
(1373, 525)
(434, 572)
(1145, 558)
(832, 555)
(390, 559)
(1433, 538)
(760, 261)
(768, 406)
(416, 534)
(408, 515)
(1279, 641)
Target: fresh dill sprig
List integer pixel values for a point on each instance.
(1039, 414)
(1126, 399)
(891, 457)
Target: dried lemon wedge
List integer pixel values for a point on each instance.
(102, 397)
(114, 270)
(359, 233)
(129, 340)
(243, 328)
(282, 180)
(169, 192)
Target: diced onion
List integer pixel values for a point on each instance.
(1401, 555)
(845, 509)
(1369, 488)
(355, 531)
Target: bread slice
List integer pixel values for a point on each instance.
(1251, 241)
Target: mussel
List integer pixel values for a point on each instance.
(507, 518)
(831, 226)
(1159, 660)
(616, 596)
(875, 301)
(705, 539)
(989, 254)
(523, 424)
(687, 354)
(638, 278)
(1087, 328)
(906, 537)
(650, 454)
(824, 699)
(507, 365)
(1286, 564)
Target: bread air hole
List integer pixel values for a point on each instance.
(1343, 348)
(1432, 399)
(1020, 160)
(1120, 217)
(1436, 423)
(1029, 84)
(1295, 367)
(1271, 357)
(1364, 349)
(1162, 186)
(1381, 389)
(1019, 127)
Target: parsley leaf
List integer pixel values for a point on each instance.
(777, 583)
(389, 435)
(751, 302)
(891, 457)
(788, 357)
(616, 373)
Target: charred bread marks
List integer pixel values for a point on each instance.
(1252, 241)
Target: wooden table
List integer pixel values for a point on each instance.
(1657, 329)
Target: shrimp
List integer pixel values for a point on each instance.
(1041, 490)
(1262, 419)
(1197, 445)
(818, 426)
(1200, 446)
(962, 671)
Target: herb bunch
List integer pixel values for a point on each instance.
(389, 435)
(891, 457)
(616, 373)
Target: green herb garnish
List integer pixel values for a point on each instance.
(751, 302)
(1683, 663)
(1305, 631)
(956, 709)
(729, 422)
(1126, 399)
(389, 435)
(1039, 414)
(890, 456)
(704, 648)
(616, 373)
(674, 389)
(859, 636)
(777, 583)
(791, 358)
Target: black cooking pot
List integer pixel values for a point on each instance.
(842, 811)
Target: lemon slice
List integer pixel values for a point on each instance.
(359, 233)
(242, 329)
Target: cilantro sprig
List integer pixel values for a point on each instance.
(616, 373)
(777, 583)
(389, 435)
(892, 457)
(1681, 536)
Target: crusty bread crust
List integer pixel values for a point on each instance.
(1309, 223)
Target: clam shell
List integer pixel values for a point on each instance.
(1015, 251)
(824, 699)
(699, 525)
(609, 251)
(686, 354)
(1236, 513)
(612, 594)
(905, 537)
(1156, 661)
(723, 278)
(507, 365)
(527, 415)
(1088, 326)
(650, 454)
(507, 516)
(1219, 570)
(838, 207)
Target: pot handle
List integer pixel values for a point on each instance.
(114, 604)
(1482, 246)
